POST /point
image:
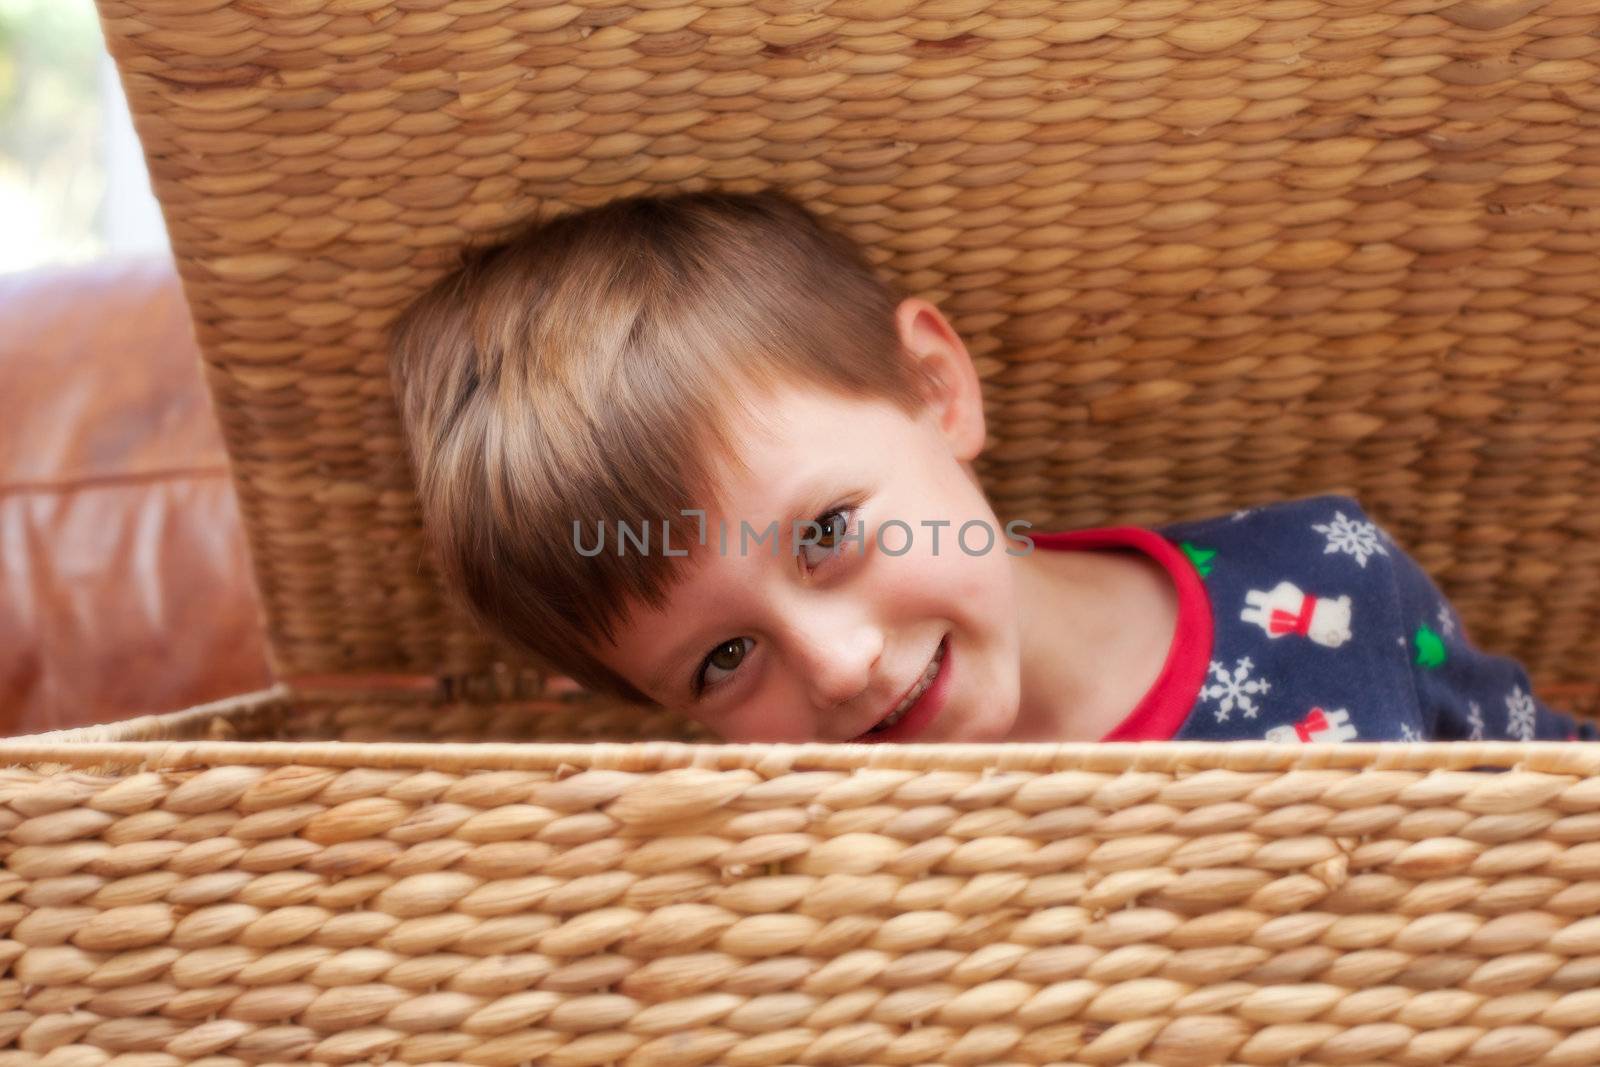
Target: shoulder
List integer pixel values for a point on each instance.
(1324, 509)
(1318, 525)
(1303, 597)
(1322, 559)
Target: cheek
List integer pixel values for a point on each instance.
(969, 578)
(769, 712)
(767, 723)
(972, 590)
(985, 585)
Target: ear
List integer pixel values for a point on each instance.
(955, 398)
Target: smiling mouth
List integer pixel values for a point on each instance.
(907, 702)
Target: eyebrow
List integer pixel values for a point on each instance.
(798, 512)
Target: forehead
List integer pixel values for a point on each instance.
(788, 447)
(776, 434)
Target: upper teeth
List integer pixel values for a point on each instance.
(929, 672)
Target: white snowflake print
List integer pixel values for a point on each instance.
(1475, 720)
(1519, 714)
(1358, 539)
(1242, 513)
(1410, 733)
(1447, 621)
(1235, 689)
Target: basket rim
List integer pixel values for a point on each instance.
(768, 760)
(145, 741)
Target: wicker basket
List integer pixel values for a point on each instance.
(1207, 255)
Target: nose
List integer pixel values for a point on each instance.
(837, 653)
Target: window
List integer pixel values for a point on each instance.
(73, 184)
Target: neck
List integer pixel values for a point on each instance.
(1095, 626)
(1056, 603)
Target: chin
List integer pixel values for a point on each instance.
(1000, 731)
(993, 727)
(1005, 721)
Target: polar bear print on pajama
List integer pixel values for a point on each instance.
(1285, 609)
(1318, 727)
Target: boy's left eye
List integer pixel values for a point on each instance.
(722, 662)
(835, 524)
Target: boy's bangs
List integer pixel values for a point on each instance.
(594, 503)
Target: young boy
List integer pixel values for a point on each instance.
(692, 451)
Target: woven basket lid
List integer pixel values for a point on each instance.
(1207, 254)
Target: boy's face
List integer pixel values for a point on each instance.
(809, 643)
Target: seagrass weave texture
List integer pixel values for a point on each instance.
(767, 905)
(1208, 254)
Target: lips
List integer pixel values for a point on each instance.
(920, 703)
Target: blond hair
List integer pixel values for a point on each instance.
(581, 369)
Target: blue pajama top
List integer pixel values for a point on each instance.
(1304, 622)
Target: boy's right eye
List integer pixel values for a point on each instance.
(723, 661)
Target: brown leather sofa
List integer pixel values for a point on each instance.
(125, 586)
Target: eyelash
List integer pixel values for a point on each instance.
(845, 511)
(698, 684)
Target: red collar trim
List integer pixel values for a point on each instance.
(1165, 707)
